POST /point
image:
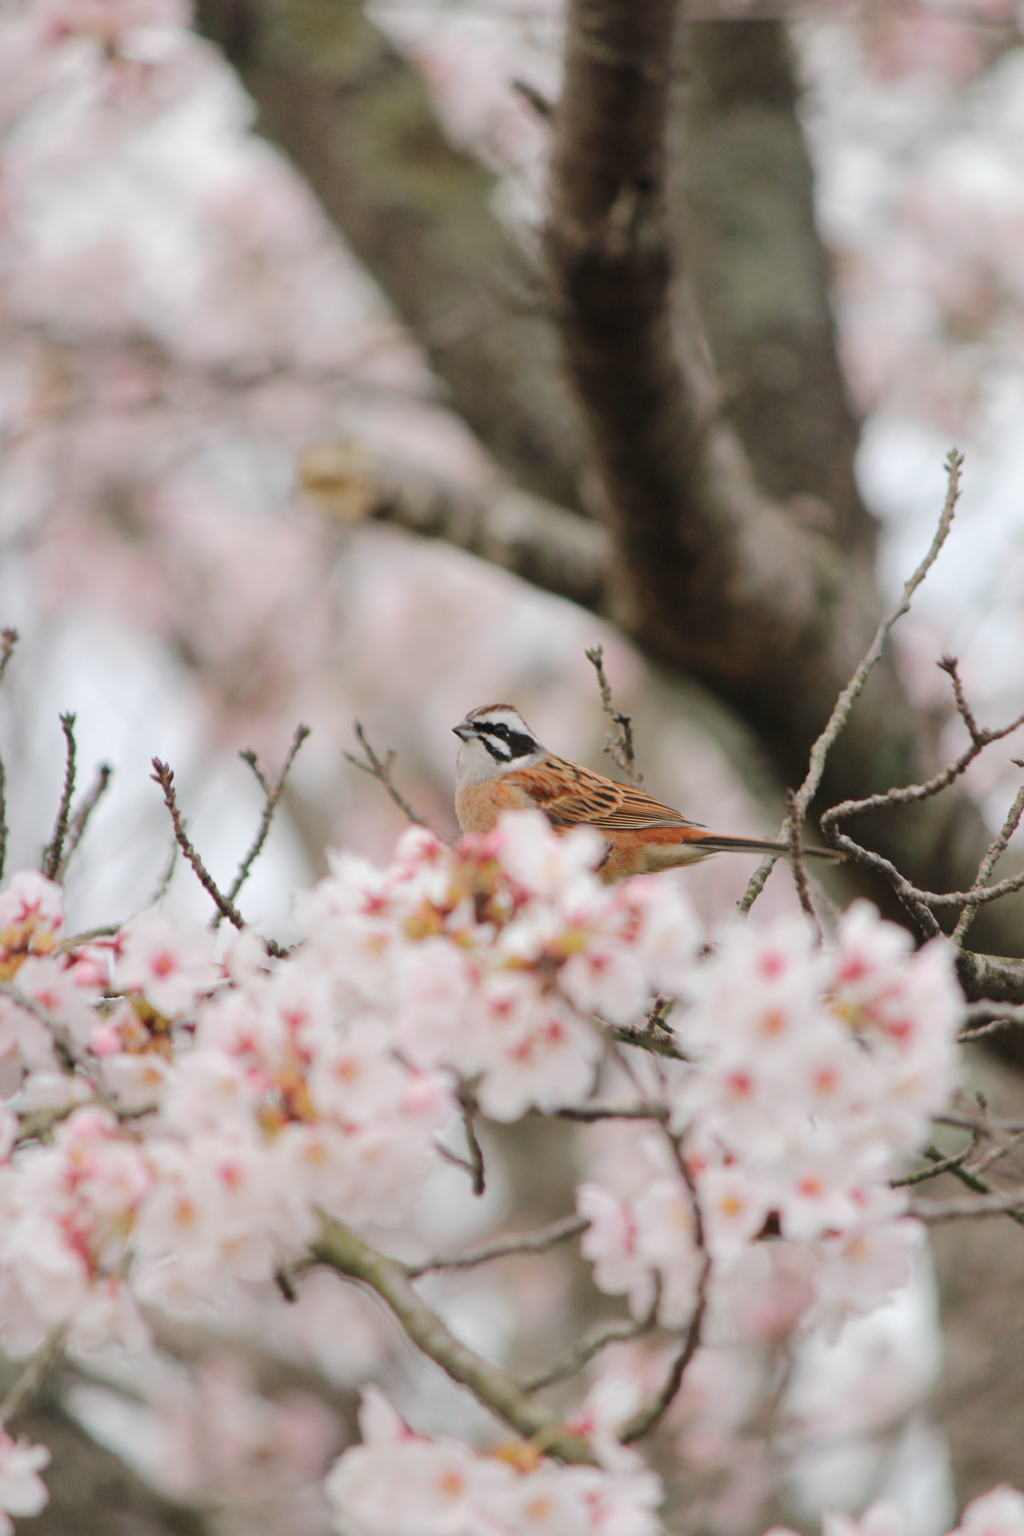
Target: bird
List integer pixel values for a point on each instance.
(502, 766)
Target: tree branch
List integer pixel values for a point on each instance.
(356, 120)
(536, 540)
(493, 1386)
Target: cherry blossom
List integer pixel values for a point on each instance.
(22, 1490)
(400, 1484)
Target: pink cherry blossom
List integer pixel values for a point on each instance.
(170, 966)
(22, 1490)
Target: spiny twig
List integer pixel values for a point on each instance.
(163, 776)
(380, 769)
(80, 820)
(619, 742)
(55, 847)
(855, 687)
(273, 793)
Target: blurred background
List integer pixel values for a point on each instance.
(184, 323)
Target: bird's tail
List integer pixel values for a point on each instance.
(715, 844)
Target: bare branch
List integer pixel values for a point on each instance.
(381, 771)
(163, 776)
(855, 687)
(945, 1165)
(951, 665)
(619, 742)
(55, 847)
(995, 852)
(32, 1375)
(80, 820)
(799, 869)
(493, 1386)
(595, 1110)
(504, 1247)
(999, 1203)
(537, 540)
(971, 1180)
(273, 793)
(618, 1330)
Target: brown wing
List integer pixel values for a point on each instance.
(573, 796)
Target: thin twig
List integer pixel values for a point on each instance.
(1006, 1018)
(87, 936)
(946, 1165)
(657, 1040)
(994, 1154)
(797, 865)
(469, 1106)
(31, 1376)
(273, 793)
(851, 693)
(998, 1203)
(619, 742)
(995, 852)
(649, 1417)
(163, 885)
(502, 1247)
(80, 820)
(55, 847)
(596, 1110)
(8, 640)
(163, 776)
(973, 1182)
(380, 769)
(616, 1331)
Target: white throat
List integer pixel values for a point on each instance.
(475, 764)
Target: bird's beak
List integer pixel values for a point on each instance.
(464, 732)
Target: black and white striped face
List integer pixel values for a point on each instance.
(493, 738)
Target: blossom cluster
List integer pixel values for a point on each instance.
(400, 1484)
(181, 1108)
(810, 1076)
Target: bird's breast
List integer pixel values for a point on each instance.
(478, 806)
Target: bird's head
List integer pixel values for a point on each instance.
(494, 737)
